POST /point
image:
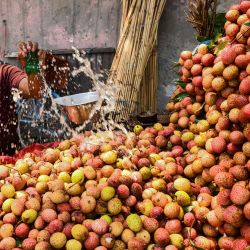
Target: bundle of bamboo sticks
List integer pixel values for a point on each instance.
(138, 35)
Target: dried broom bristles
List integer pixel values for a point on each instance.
(202, 15)
(139, 27)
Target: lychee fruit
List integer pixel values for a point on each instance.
(244, 87)
(100, 226)
(107, 193)
(228, 55)
(79, 232)
(92, 241)
(230, 72)
(161, 236)
(58, 240)
(233, 215)
(218, 145)
(74, 245)
(224, 179)
(29, 244)
(22, 231)
(239, 194)
(172, 210)
(48, 215)
(114, 206)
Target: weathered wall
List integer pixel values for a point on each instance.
(95, 23)
(60, 23)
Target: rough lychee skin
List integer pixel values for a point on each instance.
(240, 244)
(136, 243)
(161, 236)
(22, 231)
(92, 241)
(173, 226)
(230, 72)
(226, 242)
(43, 245)
(223, 197)
(239, 195)
(123, 191)
(189, 219)
(29, 244)
(55, 226)
(236, 137)
(202, 242)
(244, 6)
(244, 115)
(246, 210)
(228, 55)
(233, 215)
(134, 222)
(49, 215)
(136, 190)
(150, 224)
(224, 179)
(245, 231)
(239, 172)
(244, 87)
(232, 30)
(100, 226)
(218, 145)
(172, 210)
(242, 61)
(58, 240)
(214, 170)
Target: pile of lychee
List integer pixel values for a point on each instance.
(181, 186)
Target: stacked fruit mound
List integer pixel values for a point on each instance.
(183, 186)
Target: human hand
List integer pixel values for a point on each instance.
(24, 48)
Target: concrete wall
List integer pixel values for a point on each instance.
(59, 24)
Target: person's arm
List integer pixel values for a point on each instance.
(16, 78)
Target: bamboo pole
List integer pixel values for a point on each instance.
(134, 67)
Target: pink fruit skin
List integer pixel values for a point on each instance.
(22, 231)
(244, 6)
(92, 241)
(245, 232)
(189, 219)
(244, 115)
(100, 226)
(49, 215)
(218, 145)
(55, 226)
(245, 86)
(161, 236)
(240, 244)
(228, 55)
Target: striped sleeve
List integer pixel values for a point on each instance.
(12, 75)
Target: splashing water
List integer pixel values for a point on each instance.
(105, 105)
(108, 91)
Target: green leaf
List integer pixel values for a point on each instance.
(176, 65)
(181, 83)
(19, 242)
(181, 96)
(220, 47)
(247, 24)
(211, 45)
(216, 39)
(202, 38)
(219, 23)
